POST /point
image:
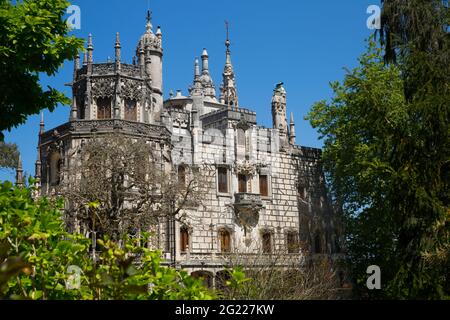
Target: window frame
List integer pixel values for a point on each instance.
(218, 181)
(104, 108)
(184, 246)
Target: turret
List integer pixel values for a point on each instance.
(279, 112)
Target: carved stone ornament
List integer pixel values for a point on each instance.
(103, 87)
(245, 167)
(131, 89)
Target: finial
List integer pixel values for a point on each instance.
(90, 45)
(158, 32)
(41, 124)
(117, 39)
(149, 21)
(90, 49)
(292, 118)
(171, 94)
(19, 173)
(85, 58)
(77, 61)
(197, 68)
(227, 26)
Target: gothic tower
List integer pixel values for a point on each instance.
(150, 54)
(279, 112)
(228, 89)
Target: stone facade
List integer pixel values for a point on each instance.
(267, 194)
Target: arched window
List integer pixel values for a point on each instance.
(104, 108)
(184, 239)
(55, 168)
(225, 241)
(130, 110)
(317, 244)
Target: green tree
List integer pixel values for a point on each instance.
(36, 256)
(392, 188)
(9, 155)
(33, 39)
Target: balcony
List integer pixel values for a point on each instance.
(246, 208)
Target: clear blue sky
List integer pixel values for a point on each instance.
(305, 44)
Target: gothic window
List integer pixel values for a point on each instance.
(184, 239)
(225, 241)
(242, 179)
(130, 110)
(222, 180)
(182, 175)
(292, 242)
(267, 242)
(104, 108)
(317, 244)
(264, 185)
(55, 168)
(241, 137)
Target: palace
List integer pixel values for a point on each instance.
(267, 195)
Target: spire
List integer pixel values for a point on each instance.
(90, 49)
(196, 89)
(90, 54)
(228, 89)
(205, 62)
(158, 32)
(76, 66)
(19, 173)
(292, 130)
(42, 125)
(38, 165)
(196, 69)
(85, 58)
(149, 25)
(118, 51)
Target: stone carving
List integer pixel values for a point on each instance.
(103, 69)
(131, 89)
(245, 167)
(103, 87)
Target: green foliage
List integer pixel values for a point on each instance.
(36, 257)
(33, 39)
(9, 155)
(386, 158)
